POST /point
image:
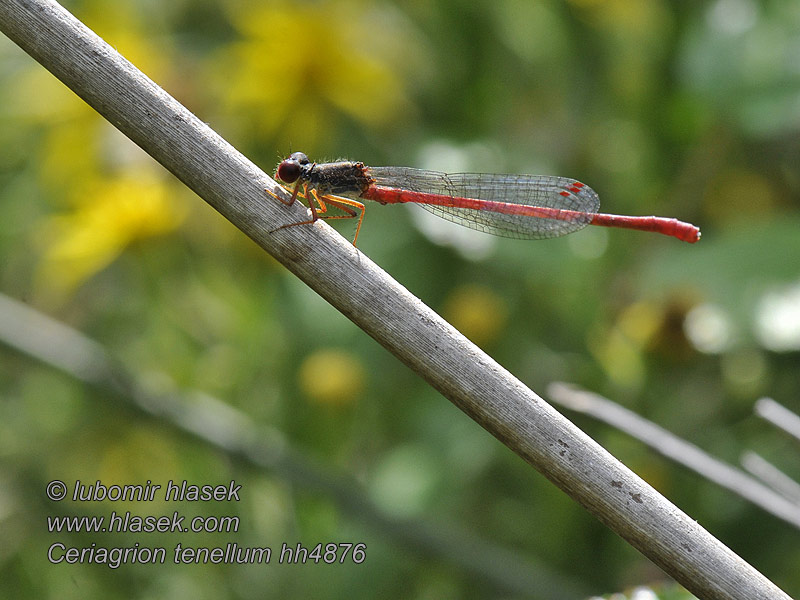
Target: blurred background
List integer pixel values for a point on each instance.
(679, 109)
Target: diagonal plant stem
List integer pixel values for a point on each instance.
(772, 476)
(677, 449)
(780, 416)
(380, 306)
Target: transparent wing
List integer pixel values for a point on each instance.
(559, 193)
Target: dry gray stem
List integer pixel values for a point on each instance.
(678, 450)
(353, 284)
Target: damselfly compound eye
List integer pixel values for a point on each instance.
(289, 170)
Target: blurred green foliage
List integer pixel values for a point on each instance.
(684, 109)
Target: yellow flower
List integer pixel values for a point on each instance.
(299, 66)
(331, 376)
(114, 214)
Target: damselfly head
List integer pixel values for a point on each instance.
(291, 168)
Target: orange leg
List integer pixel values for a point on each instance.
(295, 194)
(342, 204)
(345, 204)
